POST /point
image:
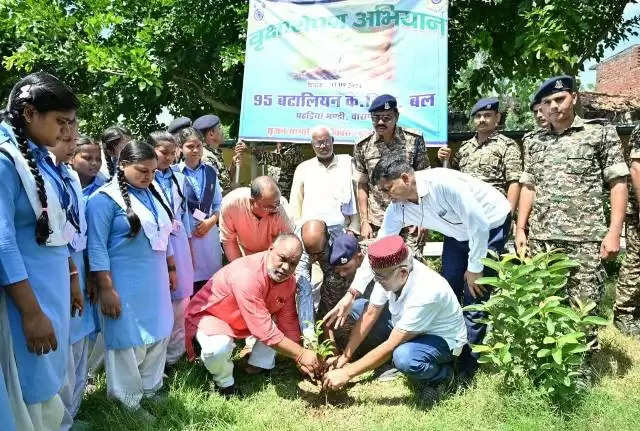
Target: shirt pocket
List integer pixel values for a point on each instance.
(581, 159)
(448, 217)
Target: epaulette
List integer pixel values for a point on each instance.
(600, 121)
(365, 138)
(412, 131)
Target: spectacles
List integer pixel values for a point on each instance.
(322, 143)
(382, 277)
(383, 118)
(269, 208)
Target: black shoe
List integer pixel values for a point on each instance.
(430, 395)
(386, 373)
(229, 391)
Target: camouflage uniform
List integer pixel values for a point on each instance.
(213, 157)
(281, 165)
(497, 161)
(567, 173)
(366, 154)
(627, 306)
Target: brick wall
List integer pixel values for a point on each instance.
(620, 74)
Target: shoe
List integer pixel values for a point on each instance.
(430, 395)
(252, 370)
(386, 373)
(229, 392)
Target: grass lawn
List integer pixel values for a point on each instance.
(277, 403)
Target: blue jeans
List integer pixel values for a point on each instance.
(425, 357)
(455, 256)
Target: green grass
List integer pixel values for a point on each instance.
(276, 402)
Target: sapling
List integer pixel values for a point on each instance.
(323, 350)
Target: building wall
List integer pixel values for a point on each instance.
(620, 74)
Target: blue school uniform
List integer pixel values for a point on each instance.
(179, 237)
(138, 272)
(85, 324)
(203, 192)
(47, 270)
(94, 185)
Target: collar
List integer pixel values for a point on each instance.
(333, 162)
(189, 170)
(492, 137)
(407, 285)
(165, 175)
(422, 183)
(578, 123)
(397, 136)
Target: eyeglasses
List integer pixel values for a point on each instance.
(269, 208)
(382, 277)
(322, 143)
(383, 118)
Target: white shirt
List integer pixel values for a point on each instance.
(426, 305)
(452, 203)
(322, 192)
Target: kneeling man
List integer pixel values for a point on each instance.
(253, 295)
(422, 329)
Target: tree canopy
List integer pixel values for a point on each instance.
(128, 58)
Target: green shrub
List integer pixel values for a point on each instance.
(535, 335)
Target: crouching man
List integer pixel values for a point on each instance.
(421, 328)
(253, 295)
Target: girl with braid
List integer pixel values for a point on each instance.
(87, 161)
(36, 273)
(172, 186)
(132, 261)
(113, 139)
(204, 197)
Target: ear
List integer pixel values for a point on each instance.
(575, 98)
(28, 112)
(405, 178)
(498, 117)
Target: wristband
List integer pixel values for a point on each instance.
(72, 273)
(171, 268)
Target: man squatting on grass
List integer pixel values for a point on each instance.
(473, 213)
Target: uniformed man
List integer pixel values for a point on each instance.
(626, 311)
(209, 126)
(388, 138)
(536, 107)
(178, 124)
(489, 155)
(563, 189)
(280, 164)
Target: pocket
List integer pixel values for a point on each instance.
(580, 160)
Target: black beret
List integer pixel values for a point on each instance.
(534, 100)
(555, 85)
(486, 104)
(206, 122)
(383, 102)
(178, 124)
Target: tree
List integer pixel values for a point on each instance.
(128, 58)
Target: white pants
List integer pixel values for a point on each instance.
(216, 353)
(96, 355)
(135, 372)
(73, 389)
(44, 416)
(175, 348)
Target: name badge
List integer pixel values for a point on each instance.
(199, 215)
(176, 226)
(69, 232)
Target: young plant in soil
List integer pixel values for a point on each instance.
(323, 349)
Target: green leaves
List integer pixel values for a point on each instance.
(535, 333)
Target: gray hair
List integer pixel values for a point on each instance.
(321, 128)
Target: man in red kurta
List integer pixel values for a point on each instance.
(253, 295)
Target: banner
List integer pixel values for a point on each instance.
(323, 62)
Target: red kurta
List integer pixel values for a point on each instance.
(241, 300)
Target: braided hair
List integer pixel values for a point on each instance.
(111, 138)
(155, 139)
(135, 152)
(44, 93)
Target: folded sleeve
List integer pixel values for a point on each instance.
(12, 268)
(100, 213)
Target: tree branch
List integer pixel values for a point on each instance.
(207, 98)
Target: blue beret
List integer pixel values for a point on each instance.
(344, 247)
(178, 124)
(555, 85)
(206, 122)
(383, 102)
(486, 104)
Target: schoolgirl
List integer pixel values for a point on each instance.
(113, 139)
(36, 226)
(203, 196)
(172, 186)
(83, 321)
(87, 161)
(131, 259)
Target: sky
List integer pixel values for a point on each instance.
(589, 76)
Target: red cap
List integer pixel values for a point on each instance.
(387, 252)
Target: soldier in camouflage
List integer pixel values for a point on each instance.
(626, 311)
(209, 126)
(280, 164)
(489, 155)
(563, 189)
(387, 138)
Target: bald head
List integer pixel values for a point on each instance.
(314, 236)
(264, 187)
